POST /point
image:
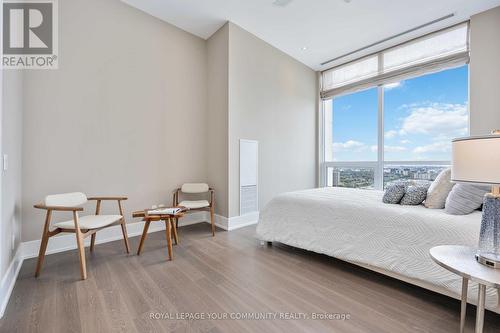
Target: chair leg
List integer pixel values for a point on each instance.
(81, 253)
(43, 244)
(212, 220)
(41, 253)
(125, 236)
(92, 242)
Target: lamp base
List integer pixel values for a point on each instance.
(488, 259)
(488, 252)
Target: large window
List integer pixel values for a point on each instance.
(413, 120)
(392, 115)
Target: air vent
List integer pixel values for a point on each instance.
(249, 197)
(281, 3)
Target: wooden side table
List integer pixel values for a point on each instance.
(461, 261)
(170, 228)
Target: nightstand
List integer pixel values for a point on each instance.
(461, 261)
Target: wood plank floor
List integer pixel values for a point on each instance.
(226, 275)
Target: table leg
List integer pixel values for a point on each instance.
(480, 308)
(168, 228)
(463, 308)
(174, 229)
(143, 238)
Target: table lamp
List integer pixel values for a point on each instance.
(476, 160)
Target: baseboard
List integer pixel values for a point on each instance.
(9, 280)
(221, 222)
(67, 242)
(236, 222)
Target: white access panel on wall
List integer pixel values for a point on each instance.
(249, 199)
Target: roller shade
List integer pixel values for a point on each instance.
(422, 55)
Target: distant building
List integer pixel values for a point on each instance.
(421, 176)
(336, 178)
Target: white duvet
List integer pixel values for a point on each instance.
(356, 226)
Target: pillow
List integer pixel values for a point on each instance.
(464, 199)
(439, 190)
(415, 195)
(393, 193)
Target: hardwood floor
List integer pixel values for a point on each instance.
(228, 274)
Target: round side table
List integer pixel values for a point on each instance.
(461, 261)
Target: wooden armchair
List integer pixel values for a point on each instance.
(81, 226)
(196, 205)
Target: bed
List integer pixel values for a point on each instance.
(355, 226)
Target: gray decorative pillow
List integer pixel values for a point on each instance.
(393, 193)
(415, 195)
(464, 199)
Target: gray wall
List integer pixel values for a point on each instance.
(217, 60)
(125, 114)
(12, 118)
(272, 99)
(485, 72)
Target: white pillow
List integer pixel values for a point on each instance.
(439, 190)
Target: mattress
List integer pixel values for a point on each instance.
(356, 226)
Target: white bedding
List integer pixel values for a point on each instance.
(354, 225)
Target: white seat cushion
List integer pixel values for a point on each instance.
(194, 204)
(89, 222)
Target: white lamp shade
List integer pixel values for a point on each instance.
(476, 160)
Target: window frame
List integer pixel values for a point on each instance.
(378, 165)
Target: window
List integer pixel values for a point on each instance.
(414, 120)
(392, 115)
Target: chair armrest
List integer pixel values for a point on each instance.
(59, 208)
(212, 196)
(108, 198)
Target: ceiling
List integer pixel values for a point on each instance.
(314, 31)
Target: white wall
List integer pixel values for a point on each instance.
(217, 160)
(485, 72)
(125, 113)
(272, 99)
(11, 138)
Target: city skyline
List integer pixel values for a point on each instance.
(364, 177)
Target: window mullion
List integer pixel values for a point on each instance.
(379, 172)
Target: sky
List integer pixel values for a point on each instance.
(421, 116)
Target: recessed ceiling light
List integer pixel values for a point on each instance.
(303, 48)
(281, 3)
